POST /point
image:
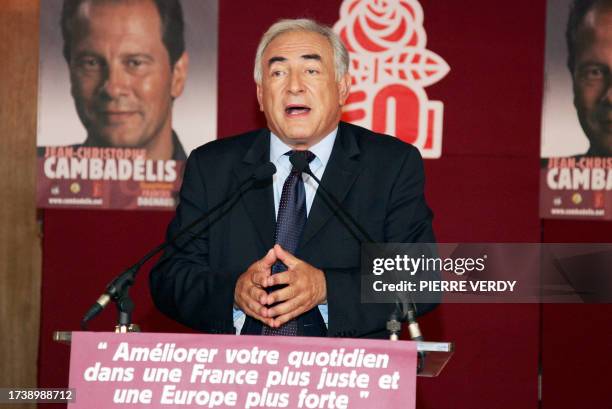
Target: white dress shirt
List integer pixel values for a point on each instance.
(278, 149)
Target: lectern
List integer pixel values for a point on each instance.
(162, 370)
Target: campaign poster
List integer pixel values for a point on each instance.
(576, 142)
(123, 99)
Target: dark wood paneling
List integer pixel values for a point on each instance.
(19, 241)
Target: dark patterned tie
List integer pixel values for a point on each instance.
(290, 223)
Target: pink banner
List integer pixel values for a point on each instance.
(149, 370)
(576, 188)
(144, 183)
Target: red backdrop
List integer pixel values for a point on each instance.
(484, 188)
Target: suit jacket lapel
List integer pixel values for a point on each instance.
(258, 200)
(340, 173)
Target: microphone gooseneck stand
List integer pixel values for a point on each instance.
(118, 289)
(405, 309)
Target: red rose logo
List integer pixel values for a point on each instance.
(390, 67)
(378, 26)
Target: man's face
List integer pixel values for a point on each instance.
(122, 81)
(299, 93)
(593, 78)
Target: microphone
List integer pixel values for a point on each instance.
(300, 163)
(263, 172)
(408, 309)
(116, 288)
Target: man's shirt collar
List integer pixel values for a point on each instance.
(322, 150)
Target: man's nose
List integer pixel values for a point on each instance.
(607, 94)
(115, 82)
(296, 83)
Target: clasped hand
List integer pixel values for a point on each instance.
(304, 288)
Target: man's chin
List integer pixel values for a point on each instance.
(299, 137)
(118, 140)
(603, 148)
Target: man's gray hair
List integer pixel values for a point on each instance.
(341, 56)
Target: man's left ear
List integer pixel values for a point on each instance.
(344, 87)
(179, 75)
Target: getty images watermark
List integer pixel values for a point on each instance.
(487, 272)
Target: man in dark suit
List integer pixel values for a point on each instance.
(222, 279)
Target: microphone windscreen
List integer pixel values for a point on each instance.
(264, 171)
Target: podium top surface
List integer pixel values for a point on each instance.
(436, 354)
(425, 346)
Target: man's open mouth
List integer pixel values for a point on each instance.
(295, 110)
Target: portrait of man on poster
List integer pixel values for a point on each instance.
(127, 64)
(589, 41)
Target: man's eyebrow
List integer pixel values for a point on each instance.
(138, 55)
(590, 64)
(311, 57)
(86, 53)
(272, 60)
(316, 57)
